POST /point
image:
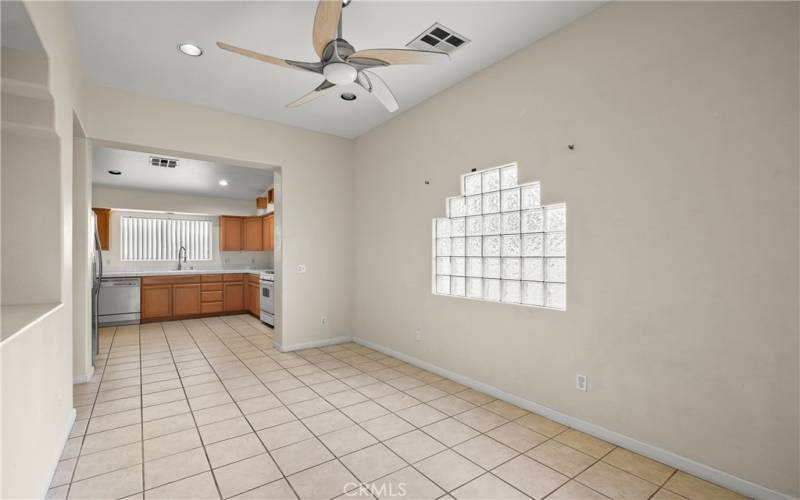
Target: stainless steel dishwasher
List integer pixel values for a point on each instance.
(119, 301)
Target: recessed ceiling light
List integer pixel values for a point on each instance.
(223, 182)
(190, 49)
(115, 172)
(348, 96)
(345, 3)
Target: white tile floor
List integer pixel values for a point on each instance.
(208, 409)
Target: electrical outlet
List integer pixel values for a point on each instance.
(418, 335)
(323, 321)
(252, 261)
(582, 382)
(301, 268)
(227, 260)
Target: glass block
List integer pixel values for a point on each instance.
(491, 290)
(509, 200)
(511, 223)
(555, 218)
(474, 205)
(442, 228)
(458, 247)
(472, 184)
(443, 247)
(474, 267)
(474, 288)
(491, 180)
(508, 177)
(491, 246)
(531, 195)
(457, 266)
(458, 286)
(511, 291)
(491, 267)
(532, 221)
(533, 293)
(458, 207)
(555, 295)
(457, 227)
(491, 224)
(443, 285)
(532, 245)
(491, 202)
(556, 269)
(555, 244)
(442, 265)
(532, 269)
(511, 268)
(474, 225)
(473, 246)
(511, 245)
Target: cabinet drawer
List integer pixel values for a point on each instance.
(234, 277)
(194, 278)
(211, 307)
(156, 280)
(212, 287)
(253, 278)
(211, 296)
(211, 278)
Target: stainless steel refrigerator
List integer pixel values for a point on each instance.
(97, 274)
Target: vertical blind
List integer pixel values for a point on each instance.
(160, 238)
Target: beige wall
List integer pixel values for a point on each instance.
(683, 228)
(316, 190)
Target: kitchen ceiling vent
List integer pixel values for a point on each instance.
(440, 38)
(158, 161)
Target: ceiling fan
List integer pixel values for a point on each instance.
(340, 63)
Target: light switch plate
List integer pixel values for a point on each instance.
(301, 268)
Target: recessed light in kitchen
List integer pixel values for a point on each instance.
(223, 182)
(348, 96)
(115, 172)
(190, 49)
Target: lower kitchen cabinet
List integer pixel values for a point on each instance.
(253, 298)
(233, 296)
(156, 302)
(186, 300)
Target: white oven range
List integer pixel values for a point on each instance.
(268, 297)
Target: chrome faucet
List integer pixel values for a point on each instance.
(180, 264)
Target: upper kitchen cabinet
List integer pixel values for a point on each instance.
(103, 226)
(268, 232)
(230, 233)
(253, 231)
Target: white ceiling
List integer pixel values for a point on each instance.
(195, 177)
(132, 45)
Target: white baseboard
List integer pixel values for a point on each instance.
(703, 471)
(83, 378)
(61, 443)
(311, 344)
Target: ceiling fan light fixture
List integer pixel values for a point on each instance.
(223, 182)
(339, 73)
(190, 49)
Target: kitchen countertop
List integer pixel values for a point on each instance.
(135, 274)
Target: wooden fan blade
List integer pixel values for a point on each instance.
(317, 92)
(255, 55)
(373, 84)
(400, 56)
(326, 24)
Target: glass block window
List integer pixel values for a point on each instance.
(498, 243)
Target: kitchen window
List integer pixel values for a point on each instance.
(159, 238)
(498, 243)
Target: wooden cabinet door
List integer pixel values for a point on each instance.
(103, 226)
(268, 232)
(254, 299)
(230, 233)
(252, 234)
(233, 296)
(156, 302)
(186, 299)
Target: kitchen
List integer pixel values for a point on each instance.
(179, 238)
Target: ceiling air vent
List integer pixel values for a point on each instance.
(158, 161)
(440, 38)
